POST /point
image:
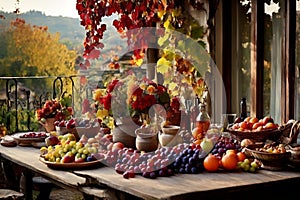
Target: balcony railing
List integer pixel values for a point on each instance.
(19, 103)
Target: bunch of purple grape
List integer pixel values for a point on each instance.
(225, 143)
(188, 161)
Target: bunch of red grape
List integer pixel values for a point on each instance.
(130, 162)
(223, 144)
(33, 135)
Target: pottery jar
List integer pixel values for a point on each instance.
(169, 136)
(146, 139)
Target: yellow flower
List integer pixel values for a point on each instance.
(101, 114)
(98, 93)
(143, 86)
(110, 123)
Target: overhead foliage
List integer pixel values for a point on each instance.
(132, 14)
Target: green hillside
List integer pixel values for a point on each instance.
(71, 32)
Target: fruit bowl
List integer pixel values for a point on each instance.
(256, 136)
(271, 161)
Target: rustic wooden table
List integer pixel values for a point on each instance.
(224, 185)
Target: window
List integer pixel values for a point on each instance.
(262, 57)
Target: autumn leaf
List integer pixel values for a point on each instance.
(163, 65)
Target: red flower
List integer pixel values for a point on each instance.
(138, 92)
(175, 104)
(106, 101)
(161, 89)
(112, 85)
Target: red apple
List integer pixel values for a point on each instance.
(117, 146)
(51, 140)
(68, 159)
(79, 160)
(266, 120)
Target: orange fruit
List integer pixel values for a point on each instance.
(197, 142)
(229, 161)
(211, 163)
(256, 125)
(253, 120)
(241, 156)
(247, 119)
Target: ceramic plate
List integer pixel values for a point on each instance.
(69, 166)
(28, 140)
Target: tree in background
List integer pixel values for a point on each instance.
(32, 51)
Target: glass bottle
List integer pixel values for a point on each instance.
(243, 108)
(194, 112)
(202, 120)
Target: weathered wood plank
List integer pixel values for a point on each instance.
(163, 187)
(180, 186)
(28, 157)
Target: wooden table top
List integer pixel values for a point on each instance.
(175, 187)
(28, 157)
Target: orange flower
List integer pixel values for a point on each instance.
(151, 89)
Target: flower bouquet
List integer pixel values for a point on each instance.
(54, 110)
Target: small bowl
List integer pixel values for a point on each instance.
(170, 129)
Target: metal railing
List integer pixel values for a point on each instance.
(19, 103)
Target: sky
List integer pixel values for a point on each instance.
(65, 8)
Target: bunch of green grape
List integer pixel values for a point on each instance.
(249, 165)
(68, 150)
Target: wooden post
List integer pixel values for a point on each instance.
(288, 71)
(227, 54)
(152, 57)
(257, 58)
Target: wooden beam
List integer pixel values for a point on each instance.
(227, 53)
(257, 58)
(288, 75)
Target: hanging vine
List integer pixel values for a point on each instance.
(133, 14)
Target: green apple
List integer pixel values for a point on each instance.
(207, 145)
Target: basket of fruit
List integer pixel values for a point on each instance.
(273, 156)
(255, 130)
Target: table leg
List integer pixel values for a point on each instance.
(26, 184)
(10, 176)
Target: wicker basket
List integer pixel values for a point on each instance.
(257, 136)
(271, 161)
